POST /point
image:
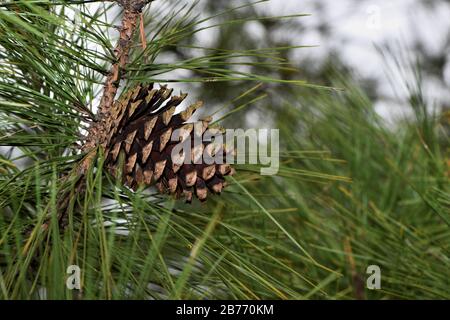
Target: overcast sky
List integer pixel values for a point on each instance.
(359, 26)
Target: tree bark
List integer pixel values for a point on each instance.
(97, 132)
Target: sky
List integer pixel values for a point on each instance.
(358, 27)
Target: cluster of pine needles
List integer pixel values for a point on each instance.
(352, 191)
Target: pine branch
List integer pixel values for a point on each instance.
(97, 132)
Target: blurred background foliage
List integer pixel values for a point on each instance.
(355, 188)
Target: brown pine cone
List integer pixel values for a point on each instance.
(143, 122)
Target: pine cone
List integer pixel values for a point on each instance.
(141, 128)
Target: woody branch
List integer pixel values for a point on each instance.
(97, 131)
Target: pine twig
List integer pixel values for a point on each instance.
(99, 129)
